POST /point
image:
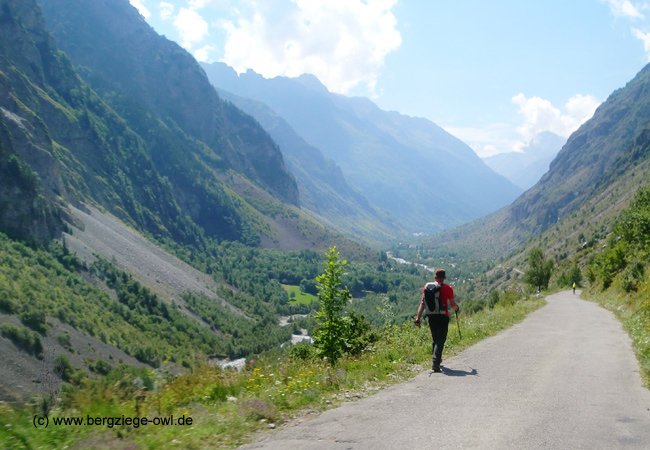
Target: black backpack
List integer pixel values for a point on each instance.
(432, 293)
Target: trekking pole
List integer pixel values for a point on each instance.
(458, 323)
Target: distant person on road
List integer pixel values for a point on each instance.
(574, 288)
(436, 298)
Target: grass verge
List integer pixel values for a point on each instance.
(633, 310)
(228, 408)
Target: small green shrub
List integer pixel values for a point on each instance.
(473, 306)
(68, 369)
(510, 297)
(358, 334)
(23, 338)
(302, 352)
(147, 355)
(628, 284)
(34, 319)
(100, 367)
(258, 409)
(187, 364)
(64, 340)
(493, 299)
(6, 304)
(221, 392)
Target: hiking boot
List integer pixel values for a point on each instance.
(436, 367)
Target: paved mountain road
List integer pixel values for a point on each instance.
(564, 378)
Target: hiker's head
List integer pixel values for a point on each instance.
(440, 274)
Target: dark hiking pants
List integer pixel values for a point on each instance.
(439, 325)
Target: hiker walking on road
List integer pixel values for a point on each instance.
(436, 298)
(574, 288)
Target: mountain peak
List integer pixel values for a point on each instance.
(312, 83)
(546, 139)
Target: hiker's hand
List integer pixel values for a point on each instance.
(457, 309)
(417, 323)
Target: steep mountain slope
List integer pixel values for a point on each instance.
(526, 168)
(409, 167)
(196, 140)
(597, 153)
(601, 165)
(324, 191)
(80, 149)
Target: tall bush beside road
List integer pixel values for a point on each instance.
(539, 272)
(330, 334)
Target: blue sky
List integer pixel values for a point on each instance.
(493, 73)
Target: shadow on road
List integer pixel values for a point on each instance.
(458, 373)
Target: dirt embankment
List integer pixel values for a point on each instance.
(166, 275)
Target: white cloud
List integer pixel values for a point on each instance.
(166, 10)
(486, 140)
(627, 10)
(489, 150)
(581, 108)
(198, 4)
(191, 26)
(203, 54)
(141, 8)
(540, 115)
(624, 8)
(342, 42)
(644, 37)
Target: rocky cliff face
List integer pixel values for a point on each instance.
(24, 211)
(60, 129)
(31, 187)
(121, 56)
